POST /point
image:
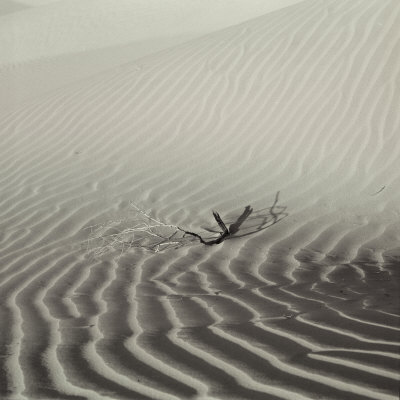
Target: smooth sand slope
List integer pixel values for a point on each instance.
(295, 114)
(51, 44)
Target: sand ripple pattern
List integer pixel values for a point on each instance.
(303, 101)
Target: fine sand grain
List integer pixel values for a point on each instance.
(294, 113)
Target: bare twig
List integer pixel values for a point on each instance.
(223, 235)
(220, 223)
(147, 232)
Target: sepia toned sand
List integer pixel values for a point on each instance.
(50, 44)
(294, 113)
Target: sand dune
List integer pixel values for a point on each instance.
(293, 113)
(51, 44)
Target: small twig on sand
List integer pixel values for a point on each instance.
(145, 232)
(223, 235)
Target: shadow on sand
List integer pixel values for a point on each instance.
(248, 223)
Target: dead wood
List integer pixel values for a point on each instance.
(223, 235)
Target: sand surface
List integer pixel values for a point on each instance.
(292, 112)
(50, 44)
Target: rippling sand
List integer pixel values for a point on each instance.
(294, 113)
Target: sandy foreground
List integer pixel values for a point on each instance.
(284, 121)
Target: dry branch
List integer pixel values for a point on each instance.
(147, 232)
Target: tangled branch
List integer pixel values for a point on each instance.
(143, 231)
(146, 232)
